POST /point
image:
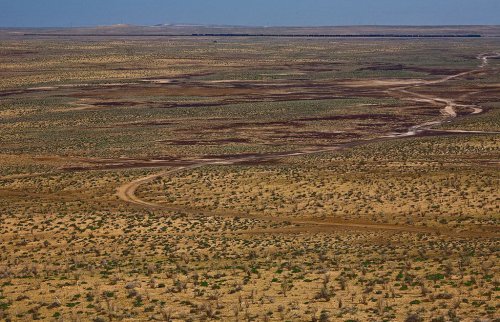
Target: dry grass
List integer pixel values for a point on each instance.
(380, 230)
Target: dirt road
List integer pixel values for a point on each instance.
(127, 191)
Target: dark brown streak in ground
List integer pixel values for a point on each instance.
(401, 67)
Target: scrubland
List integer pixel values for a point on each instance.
(265, 180)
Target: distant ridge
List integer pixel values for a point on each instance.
(194, 30)
(257, 35)
(340, 36)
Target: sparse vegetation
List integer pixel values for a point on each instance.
(255, 215)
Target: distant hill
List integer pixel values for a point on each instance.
(188, 30)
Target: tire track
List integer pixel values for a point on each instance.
(127, 191)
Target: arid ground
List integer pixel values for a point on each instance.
(249, 178)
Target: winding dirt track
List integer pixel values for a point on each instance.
(127, 191)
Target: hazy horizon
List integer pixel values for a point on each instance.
(257, 13)
(188, 24)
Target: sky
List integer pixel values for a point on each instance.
(73, 13)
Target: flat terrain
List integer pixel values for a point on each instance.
(249, 179)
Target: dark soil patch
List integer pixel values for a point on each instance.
(315, 135)
(136, 124)
(116, 103)
(365, 116)
(256, 124)
(401, 67)
(206, 142)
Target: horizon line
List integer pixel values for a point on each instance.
(248, 26)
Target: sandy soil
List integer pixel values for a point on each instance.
(127, 191)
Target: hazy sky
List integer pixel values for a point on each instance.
(44, 13)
